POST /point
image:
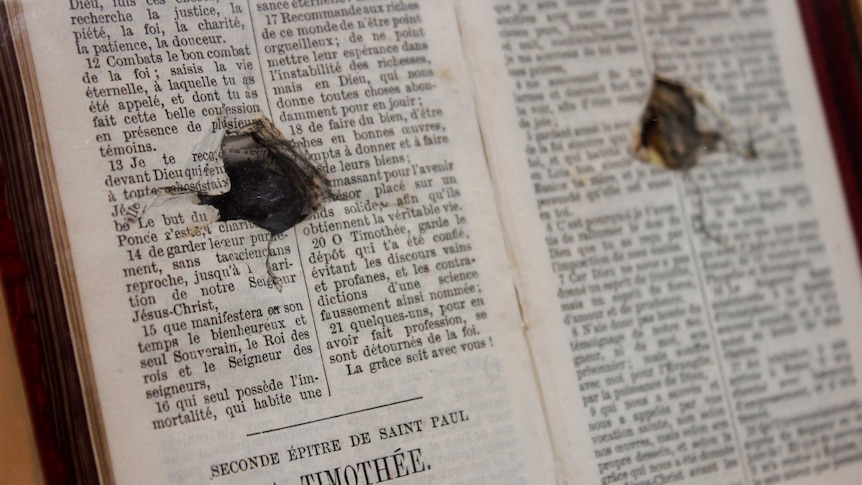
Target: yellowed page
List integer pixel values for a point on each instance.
(378, 340)
(695, 320)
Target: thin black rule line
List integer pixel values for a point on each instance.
(336, 416)
(710, 318)
(295, 231)
(311, 305)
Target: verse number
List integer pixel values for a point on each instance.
(320, 242)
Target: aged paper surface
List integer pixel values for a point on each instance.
(685, 260)
(377, 339)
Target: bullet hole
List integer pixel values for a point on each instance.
(272, 184)
(669, 132)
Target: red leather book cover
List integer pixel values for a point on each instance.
(831, 36)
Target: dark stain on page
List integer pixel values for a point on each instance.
(669, 134)
(272, 184)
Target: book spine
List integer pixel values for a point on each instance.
(39, 330)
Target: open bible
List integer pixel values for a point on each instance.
(489, 241)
